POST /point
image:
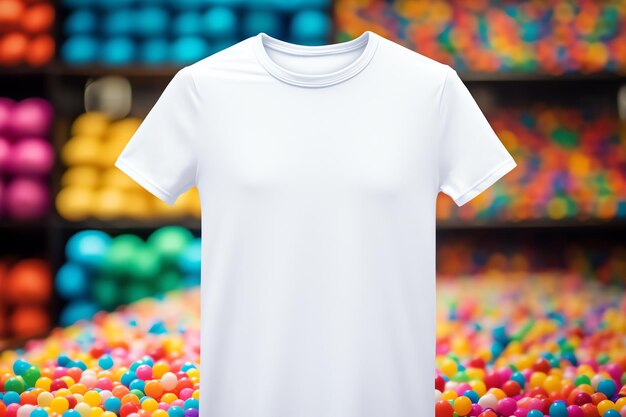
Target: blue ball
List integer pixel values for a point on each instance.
(119, 22)
(154, 51)
(310, 27)
(152, 21)
(81, 22)
(190, 259)
(119, 50)
(79, 49)
(558, 409)
(113, 4)
(137, 384)
(11, 397)
(175, 411)
(113, 404)
(72, 281)
(472, 395)
(221, 44)
(105, 362)
(189, 4)
(535, 413)
(187, 23)
(297, 5)
(88, 247)
(188, 49)
(256, 21)
(39, 412)
(78, 310)
(20, 366)
(607, 387)
(219, 22)
(71, 413)
(191, 403)
(612, 413)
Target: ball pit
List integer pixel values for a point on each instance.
(92, 187)
(493, 36)
(119, 33)
(571, 165)
(104, 271)
(507, 345)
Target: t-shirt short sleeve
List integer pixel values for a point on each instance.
(471, 156)
(161, 155)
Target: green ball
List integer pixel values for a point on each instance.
(105, 291)
(15, 384)
(170, 279)
(119, 259)
(170, 242)
(134, 291)
(582, 379)
(31, 376)
(146, 264)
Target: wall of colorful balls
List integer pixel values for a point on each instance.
(99, 279)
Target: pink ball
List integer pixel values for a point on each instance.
(26, 198)
(6, 109)
(2, 193)
(31, 117)
(5, 154)
(507, 406)
(144, 372)
(32, 156)
(520, 412)
(574, 411)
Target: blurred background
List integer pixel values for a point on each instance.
(531, 273)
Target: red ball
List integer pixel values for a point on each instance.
(542, 365)
(444, 409)
(57, 384)
(582, 398)
(128, 408)
(440, 383)
(511, 388)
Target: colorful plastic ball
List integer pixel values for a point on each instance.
(118, 50)
(80, 49)
(105, 361)
(187, 23)
(81, 22)
(558, 409)
(534, 413)
(188, 49)
(310, 26)
(256, 21)
(32, 156)
(176, 411)
(20, 366)
(14, 384)
(112, 404)
(32, 117)
(607, 387)
(120, 22)
(219, 22)
(39, 412)
(154, 51)
(72, 280)
(574, 411)
(443, 408)
(151, 21)
(27, 198)
(88, 247)
(462, 405)
(170, 242)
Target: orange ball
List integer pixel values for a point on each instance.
(29, 280)
(443, 409)
(120, 391)
(37, 18)
(154, 389)
(29, 321)
(590, 410)
(40, 50)
(10, 12)
(12, 48)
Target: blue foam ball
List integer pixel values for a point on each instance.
(188, 49)
(310, 27)
(154, 51)
(187, 23)
(219, 22)
(78, 310)
(119, 22)
(39, 412)
(257, 21)
(223, 43)
(88, 247)
(72, 281)
(190, 259)
(119, 50)
(151, 21)
(79, 49)
(81, 22)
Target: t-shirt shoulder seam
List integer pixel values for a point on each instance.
(153, 187)
(483, 183)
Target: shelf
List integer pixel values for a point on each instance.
(556, 225)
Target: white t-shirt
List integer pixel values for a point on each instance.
(318, 169)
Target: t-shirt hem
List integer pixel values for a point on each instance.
(146, 183)
(487, 181)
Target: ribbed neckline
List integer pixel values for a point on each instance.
(263, 41)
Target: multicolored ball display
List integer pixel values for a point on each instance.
(92, 187)
(104, 271)
(491, 36)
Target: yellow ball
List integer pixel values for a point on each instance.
(43, 383)
(108, 414)
(552, 384)
(82, 150)
(74, 203)
(160, 413)
(497, 392)
(137, 205)
(449, 395)
(463, 405)
(536, 379)
(448, 367)
(81, 175)
(62, 392)
(123, 128)
(111, 150)
(168, 398)
(44, 399)
(92, 398)
(150, 404)
(605, 405)
(196, 394)
(90, 123)
(159, 369)
(59, 404)
(83, 409)
(109, 203)
(96, 412)
(479, 387)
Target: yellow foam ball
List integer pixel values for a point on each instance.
(62, 392)
(552, 383)
(96, 412)
(448, 367)
(478, 386)
(81, 175)
(159, 369)
(123, 128)
(74, 203)
(536, 379)
(111, 150)
(160, 413)
(449, 395)
(196, 394)
(137, 206)
(59, 404)
(92, 123)
(43, 383)
(92, 398)
(462, 405)
(114, 177)
(497, 392)
(109, 203)
(605, 405)
(150, 404)
(82, 150)
(168, 398)
(108, 414)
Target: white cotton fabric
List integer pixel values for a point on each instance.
(318, 169)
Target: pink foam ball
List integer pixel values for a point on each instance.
(11, 410)
(178, 402)
(520, 412)
(574, 411)
(507, 406)
(104, 384)
(5, 154)
(164, 406)
(144, 372)
(27, 198)
(31, 117)
(6, 109)
(185, 393)
(476, 410)
(32, 156)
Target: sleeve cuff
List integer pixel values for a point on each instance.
(487, 181)
(146, 183)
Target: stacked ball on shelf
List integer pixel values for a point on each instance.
(93, 186)
(173, 32)
(25, 296)
(493, 36)
(25, 32)
(26, 157)
(571, 165)
(103, 271)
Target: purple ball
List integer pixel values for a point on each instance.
(26, 198)
(31, 117)
(6, 110)
(31, 156)
(191, 412)
(5, 154)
